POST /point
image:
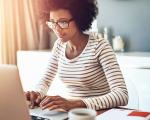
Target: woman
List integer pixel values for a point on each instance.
(85, 63)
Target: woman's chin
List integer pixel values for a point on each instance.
(62, 39)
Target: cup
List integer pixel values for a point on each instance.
(82, 114)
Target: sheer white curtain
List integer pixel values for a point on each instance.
(18, 28)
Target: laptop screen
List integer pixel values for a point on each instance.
(12, 103)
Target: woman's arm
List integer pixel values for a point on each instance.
(44, 84)
(118, 95)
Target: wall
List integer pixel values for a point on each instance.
(128, 18)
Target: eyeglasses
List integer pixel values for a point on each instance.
(62, 23)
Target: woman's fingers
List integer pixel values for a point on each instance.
(53, 107)
(38, 99)
(27, 94)
(55, 102)
(49, 99)
(32, 99)
(51, 104)
(45, 101)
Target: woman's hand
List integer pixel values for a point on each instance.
(57, 102)
(34, 98)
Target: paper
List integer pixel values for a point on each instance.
(121, 114)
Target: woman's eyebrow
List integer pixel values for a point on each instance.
(59, 19)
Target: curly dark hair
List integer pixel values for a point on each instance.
(83, 11)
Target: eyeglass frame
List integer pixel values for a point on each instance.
(55, 24)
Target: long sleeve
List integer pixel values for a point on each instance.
(44, 84)
(118, 95)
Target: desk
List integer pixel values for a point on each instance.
(101, 111)
(122, 114)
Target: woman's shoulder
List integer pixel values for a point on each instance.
(98, 42)
(97, 38)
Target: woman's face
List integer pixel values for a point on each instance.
(63, 24)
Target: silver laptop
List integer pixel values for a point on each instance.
(13, 104)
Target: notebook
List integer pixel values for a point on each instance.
(13, 104)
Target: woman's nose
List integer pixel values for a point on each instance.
(58, 28)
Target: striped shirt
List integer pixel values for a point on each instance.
(93, 76)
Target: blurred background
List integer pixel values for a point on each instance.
(128, 18)
(21, 29)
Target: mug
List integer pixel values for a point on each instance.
(82, 114)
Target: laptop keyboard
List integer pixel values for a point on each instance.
(38, 118)
(33, 117)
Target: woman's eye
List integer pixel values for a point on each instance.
(63, 22)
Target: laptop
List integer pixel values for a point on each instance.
(13, 104)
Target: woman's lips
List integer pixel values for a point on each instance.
(60, 35)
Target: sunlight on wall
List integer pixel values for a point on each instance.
(18, 29)
(0, 31)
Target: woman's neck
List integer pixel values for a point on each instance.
(78, 42)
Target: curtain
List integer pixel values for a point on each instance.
(20, 29)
